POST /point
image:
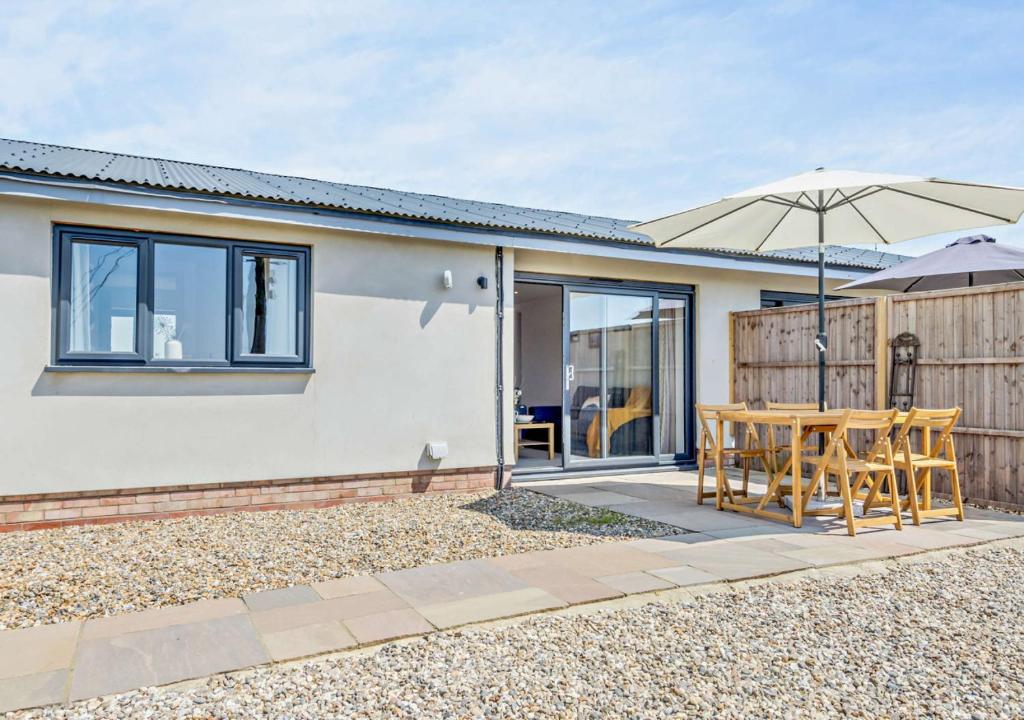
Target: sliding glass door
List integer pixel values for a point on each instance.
(625, 355)
(609, 376)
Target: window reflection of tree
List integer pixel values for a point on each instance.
(115, 256)
(259, 328)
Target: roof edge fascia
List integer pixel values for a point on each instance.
(43, 187)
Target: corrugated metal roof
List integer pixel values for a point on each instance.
(56, 160)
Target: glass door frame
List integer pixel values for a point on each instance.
(656, 291)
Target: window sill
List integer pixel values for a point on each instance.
(183, 370)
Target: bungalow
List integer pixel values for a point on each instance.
(182, 338)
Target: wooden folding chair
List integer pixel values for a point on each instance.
(935, 455)
(871, 471)
(708, 417)
(776, 447)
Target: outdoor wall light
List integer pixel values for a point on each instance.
(437, 450)
(448, 280)
(482, 282)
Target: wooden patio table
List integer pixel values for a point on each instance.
(797, 421)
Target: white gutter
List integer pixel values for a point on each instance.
(39, 188)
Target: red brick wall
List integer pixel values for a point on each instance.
(34, 512)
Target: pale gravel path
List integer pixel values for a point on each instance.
(79, 572)
(935, 639)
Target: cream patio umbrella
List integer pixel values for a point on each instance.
(836, 207)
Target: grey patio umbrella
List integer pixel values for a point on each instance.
(837, 207)
(970, 261)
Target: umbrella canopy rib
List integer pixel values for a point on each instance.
(708, 222)
(901, 191)
(774, 228)
(865, 219)
(859, 195)
(776, 200)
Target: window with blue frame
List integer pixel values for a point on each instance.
(126, 298)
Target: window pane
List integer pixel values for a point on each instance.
(103, 298)
(628, 367)
(270, 296)
(190, 302)
(672, 374)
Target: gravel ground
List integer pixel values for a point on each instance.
(935, 639)
(78, 572)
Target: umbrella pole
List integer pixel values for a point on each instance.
(821, 342)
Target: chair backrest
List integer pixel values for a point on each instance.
(772, 405)
(880, 422)
(708, 414)
(942, 420)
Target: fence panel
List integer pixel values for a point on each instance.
(971, 356)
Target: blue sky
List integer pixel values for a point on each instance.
(632, 109)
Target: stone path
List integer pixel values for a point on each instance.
(79, 660)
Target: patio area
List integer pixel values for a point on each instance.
(80, 660)
(671, 498)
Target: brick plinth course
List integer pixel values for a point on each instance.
(43, 511)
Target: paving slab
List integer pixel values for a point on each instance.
(744, 531)
(30, 651)
(343, 587)
(489, 607)
(28, 691)
(821, 556)
(598, 498)
(162, 617)
(567, 585)
(667, 542)
(326, 611)
(434, 584)
(165, 655)
(981, 532)
(770, 544)
(651, 491)
(607, 559)
(308, 640)
(635, 582)
(281, 597)
(928, 539)
(390, 625)
(734, 561)
(683, 575)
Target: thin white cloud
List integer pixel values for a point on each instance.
(631, 111)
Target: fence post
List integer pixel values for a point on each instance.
(732, 357)
(881, 352)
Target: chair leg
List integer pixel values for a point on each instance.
(702, 457)
(843, 481)
(874, 490)
(894, 500)
(954, 480)
(915, 509)
(746, 476)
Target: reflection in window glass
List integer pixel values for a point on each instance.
(269, 305)
(190, 302)
(103, 298)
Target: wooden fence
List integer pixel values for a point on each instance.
(971, 356)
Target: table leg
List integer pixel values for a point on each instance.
(519, 436)
(798, 485)
(551, 442)
(719, 470)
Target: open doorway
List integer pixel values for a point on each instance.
(538, 375)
